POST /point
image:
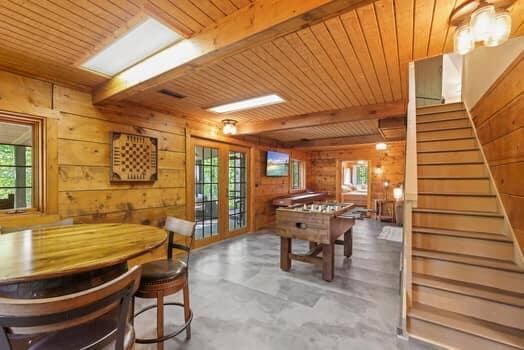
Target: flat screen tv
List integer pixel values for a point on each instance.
(277, 164)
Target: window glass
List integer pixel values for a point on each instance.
(16, 166)
(298, 175)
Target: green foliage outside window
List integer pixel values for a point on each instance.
(8, 173)
(362, 174)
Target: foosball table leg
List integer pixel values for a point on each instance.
(328, 262)
(285, 251)
(348, 243)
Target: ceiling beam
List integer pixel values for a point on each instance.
(336, 142)
(259, 22)
(377, 111)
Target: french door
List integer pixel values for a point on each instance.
(219, 190)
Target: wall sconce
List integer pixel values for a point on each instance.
(398, 192)
(379, 170)
(386, 186)
(230, 127)
(381, 146)
(479, 21)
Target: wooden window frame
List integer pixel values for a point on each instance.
(39, 173)
(302, 175)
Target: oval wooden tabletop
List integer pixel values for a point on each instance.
(50, 252)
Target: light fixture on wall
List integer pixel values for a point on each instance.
(386, 186)
(481, 21)
(230, 127)
(398, 192)
(378, 170)
(381, 146)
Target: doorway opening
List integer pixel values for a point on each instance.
(353, 185)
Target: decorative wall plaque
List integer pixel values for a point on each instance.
(134, 158)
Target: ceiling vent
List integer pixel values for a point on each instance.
(172, 93)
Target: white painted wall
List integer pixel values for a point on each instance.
(484, 65)
(452, 77)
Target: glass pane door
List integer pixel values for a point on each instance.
(237, 198)
(206, 192)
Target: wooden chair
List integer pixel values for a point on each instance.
(97, 318)
(164, 277)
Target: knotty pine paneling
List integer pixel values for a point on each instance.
(499, 121)
(83, 133)
(268, 188)
(324, 165)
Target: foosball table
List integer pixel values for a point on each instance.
(321, 224)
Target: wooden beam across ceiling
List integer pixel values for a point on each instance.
(259, 22)
(376, 111)
(334, 143)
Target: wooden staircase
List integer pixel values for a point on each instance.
(467, 291)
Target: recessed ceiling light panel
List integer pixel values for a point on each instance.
(140, 42)
(248, 104)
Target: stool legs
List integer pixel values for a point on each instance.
(160, 320)
(187, 310)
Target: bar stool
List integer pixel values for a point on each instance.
(164, 277)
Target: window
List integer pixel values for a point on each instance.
(361, 175)
(19, 153)
(348, 178)
(298, 175)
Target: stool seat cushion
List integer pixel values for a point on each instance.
(163, 269)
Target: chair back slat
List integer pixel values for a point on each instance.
(184, 228)
(180, 226)
(30, 316)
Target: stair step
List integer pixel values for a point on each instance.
(452, 330)
(468, 260)
(448, 146)
(483, 222)
(453, 170)
(442, 135)
(474, 290)
(454, 157)
(444, 125)
(458, 233)
(464, 245)
(463, 185)
(458, 201)
(444, 266)
(491, 311)
(458, 212)
(443, 108)
(452, 115)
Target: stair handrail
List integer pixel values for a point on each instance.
(410, 197)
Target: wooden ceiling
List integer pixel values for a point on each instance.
(50, 38)
(359, 128)
(354, 59)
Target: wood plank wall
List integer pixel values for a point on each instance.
(268, 188)
(324, 164)
(499, 119)
(84, 190)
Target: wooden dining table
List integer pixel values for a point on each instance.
(53, 261)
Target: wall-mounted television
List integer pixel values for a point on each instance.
(277, 164)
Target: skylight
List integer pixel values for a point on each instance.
(140, 42)
(248, 104)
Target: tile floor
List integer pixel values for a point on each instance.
(242, 300)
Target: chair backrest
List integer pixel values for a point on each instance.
(184, 228)
(40, 316)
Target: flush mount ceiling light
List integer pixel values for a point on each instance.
(145, 39)
(381, 146)
(247, 104)
(483, 21)
(230, 127)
